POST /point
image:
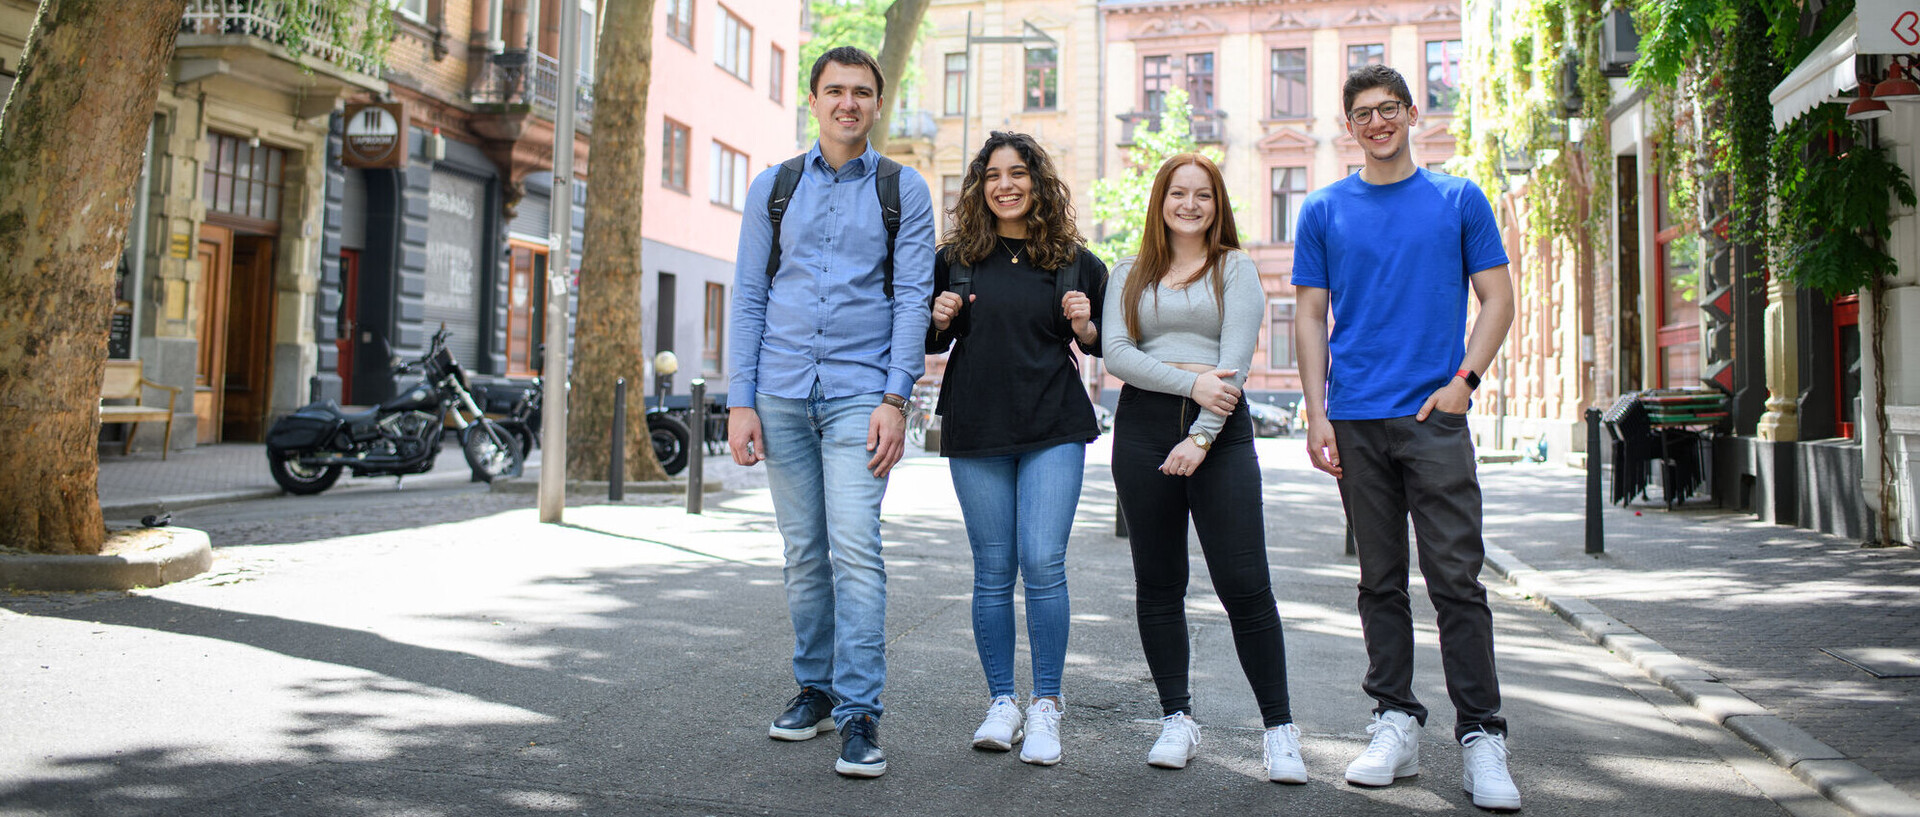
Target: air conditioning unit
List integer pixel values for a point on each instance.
(1619, 42)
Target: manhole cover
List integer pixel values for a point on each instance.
(1882, 662)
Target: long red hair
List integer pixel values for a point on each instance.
(1155, 259)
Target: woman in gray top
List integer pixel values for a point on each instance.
(1190, 305)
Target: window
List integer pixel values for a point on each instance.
(777, 74)
(680, 21)
(587, 38)
(956, 87)
(416, 9)
(1288, 92)
(715, 331)
(241, 179)
(1280, 336)
(949, 199)
(1156, 77)
(674, 138)
(1043, 79)
(1289, 190)
(730, 177)
(1200, 82)
(1370, 54)
(733, 46)
(1443, 74)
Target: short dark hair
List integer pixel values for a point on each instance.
(1368, 77)
(847, 55)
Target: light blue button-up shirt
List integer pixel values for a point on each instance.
(825, 316)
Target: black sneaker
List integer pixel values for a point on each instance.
(860, 754)
(807, 715)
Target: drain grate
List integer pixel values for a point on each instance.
(1881, 662)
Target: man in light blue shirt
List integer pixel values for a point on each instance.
(823, 359)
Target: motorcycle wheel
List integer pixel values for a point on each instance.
(491, 450)
(670, 442)
(298, 479)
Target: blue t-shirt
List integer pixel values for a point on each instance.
(1395, 259)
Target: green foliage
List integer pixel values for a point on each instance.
(1835, 206)
(1120, 202)
(362, 27)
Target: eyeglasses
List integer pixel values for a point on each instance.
(1389, 111)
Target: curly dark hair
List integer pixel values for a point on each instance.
(1368, 77)
(1053, 240)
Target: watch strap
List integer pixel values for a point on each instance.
(1473, 380)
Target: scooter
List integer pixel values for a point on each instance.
(309, 449)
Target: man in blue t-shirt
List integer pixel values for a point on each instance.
(1394, 249)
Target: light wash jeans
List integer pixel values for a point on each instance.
(1019, 510)
(827, 505)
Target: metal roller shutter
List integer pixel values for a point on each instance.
(456, 268)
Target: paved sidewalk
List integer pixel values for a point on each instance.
(1730, 614)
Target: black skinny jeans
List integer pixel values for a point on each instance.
(1223, 497)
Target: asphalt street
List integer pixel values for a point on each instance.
(437, 651)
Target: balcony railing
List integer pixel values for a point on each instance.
(341, 39)
(522, 77)
(913, 125)
(1206, 127)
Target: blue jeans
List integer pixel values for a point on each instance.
(827, 505)
(1019, 510)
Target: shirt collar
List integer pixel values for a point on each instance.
(861, 164)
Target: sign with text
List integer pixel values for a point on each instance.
(1889, 26)
(376, 136)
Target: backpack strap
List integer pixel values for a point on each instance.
(783, 187)
(886, 185)
(1066, 279)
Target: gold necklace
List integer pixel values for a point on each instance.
(1003, 243)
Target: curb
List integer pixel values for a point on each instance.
(188, 555)
(600, 488)
(1826, 769)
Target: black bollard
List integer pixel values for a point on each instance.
(617, 464)
(1351, 550)
(1119, 518)
(696, 479)
(1596, 534)
(313, 389)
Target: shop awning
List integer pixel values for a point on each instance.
(1821, 78)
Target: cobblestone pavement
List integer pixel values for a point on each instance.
(1752, 603)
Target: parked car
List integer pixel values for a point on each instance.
(1270, 420)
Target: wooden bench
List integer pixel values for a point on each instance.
(124, 381)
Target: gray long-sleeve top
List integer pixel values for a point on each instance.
(1185, 326)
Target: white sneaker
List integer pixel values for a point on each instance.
(1484, 762)
(1179, 740)
(1394, 752)
(1281, 750)
(1042, 747)
(1001, 730)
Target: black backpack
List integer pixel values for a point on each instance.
(886, 187)
(960, 282)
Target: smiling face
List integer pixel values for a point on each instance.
(844, 102)
(1188, 209)
(1008, 186)
(1383, 140)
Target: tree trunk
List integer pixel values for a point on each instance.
(71, 141)
(903, 30)
(607, 335)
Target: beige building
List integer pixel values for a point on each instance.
(1263, 79)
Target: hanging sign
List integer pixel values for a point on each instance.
(376, 136)
(1889, 26)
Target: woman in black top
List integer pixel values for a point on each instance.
(1016, 290)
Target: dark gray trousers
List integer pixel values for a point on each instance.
(1392, 468)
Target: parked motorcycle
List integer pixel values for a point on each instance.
(308, 449)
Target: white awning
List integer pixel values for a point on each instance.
(1821, 78)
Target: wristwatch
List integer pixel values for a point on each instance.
(1202, 439)
(1473, 380)
(896, 401)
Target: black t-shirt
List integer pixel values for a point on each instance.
(1011, 384)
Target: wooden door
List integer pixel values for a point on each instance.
(209, 379)
(249, 364)
(346, 321)
(526, 288)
